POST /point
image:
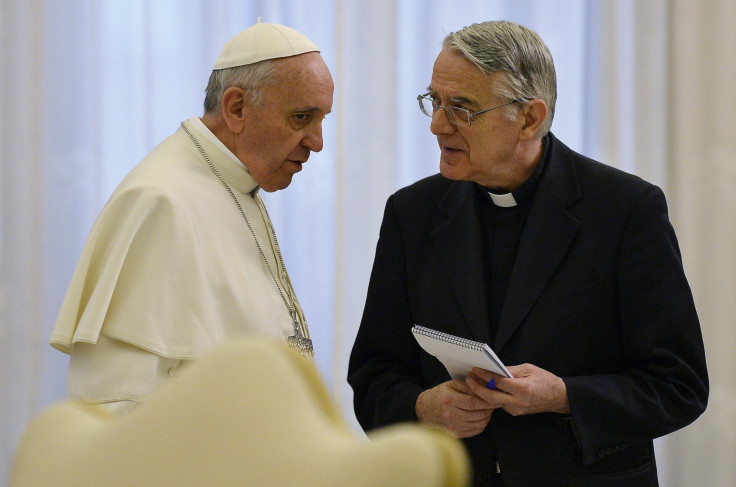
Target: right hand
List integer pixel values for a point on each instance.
(453, 407)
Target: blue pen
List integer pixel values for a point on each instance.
(491, 384)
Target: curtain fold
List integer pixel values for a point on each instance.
(701, 133)
(88, 87)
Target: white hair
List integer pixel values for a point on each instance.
(250, 77)
(518, 54)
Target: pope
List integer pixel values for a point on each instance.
(183, 256)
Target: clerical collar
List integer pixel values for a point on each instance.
(505, 200)
(526, 190)
(249, 184)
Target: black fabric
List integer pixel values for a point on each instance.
(502, 232)
(597, 295)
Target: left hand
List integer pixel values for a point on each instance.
(532, 390)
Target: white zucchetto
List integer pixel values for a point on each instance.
(261, 42)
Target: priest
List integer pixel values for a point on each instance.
(184, 255)
(567, 268)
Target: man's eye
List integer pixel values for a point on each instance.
(302, 117)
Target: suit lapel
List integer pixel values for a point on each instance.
(458, 241)
(547, 235)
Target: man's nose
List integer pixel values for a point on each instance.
(313, 139)
(440, 123)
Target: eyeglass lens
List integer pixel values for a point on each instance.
(455, 115)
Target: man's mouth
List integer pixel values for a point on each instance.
(449, 150)
(447, 147)
(300, 159)
(298, 164)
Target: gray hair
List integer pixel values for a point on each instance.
(518, 54)
(250, 77)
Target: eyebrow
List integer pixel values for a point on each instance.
(309, 110)
(456, 99)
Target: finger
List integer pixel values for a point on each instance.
(490, 384)
(485, 375)
(493, 381)
(469, 427)
(521, 370)
(459, 386)
(473, 417)
(494, 398)
(472, 431)
(467, 432)
(465, 398)
(473, 402)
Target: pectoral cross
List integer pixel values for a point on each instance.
(299, 342)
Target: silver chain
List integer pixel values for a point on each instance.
(290, 305)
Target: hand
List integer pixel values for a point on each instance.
(453, 407)
(532, 390)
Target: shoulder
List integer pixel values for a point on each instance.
(602, 176)
(430, 184)
(429, 191)
(161, 187)
(576, 177)
(171, 170)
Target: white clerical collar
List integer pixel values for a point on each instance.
(506, 200)
(202, 129)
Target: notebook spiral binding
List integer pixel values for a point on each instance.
(445, 337)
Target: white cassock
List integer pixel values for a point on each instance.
(169, 270)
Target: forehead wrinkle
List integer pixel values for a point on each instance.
(457, 80)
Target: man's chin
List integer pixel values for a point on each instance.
(274, 186)
(450, 171)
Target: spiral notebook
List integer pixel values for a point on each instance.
(458, 355)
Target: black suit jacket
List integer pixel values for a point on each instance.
(597, 296)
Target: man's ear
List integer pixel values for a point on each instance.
(534, 113)
(234, 104)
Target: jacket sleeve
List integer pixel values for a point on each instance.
(665, 385)
(384, 369)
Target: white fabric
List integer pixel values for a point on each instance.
(116, 375)
(205, 132)
(505, 200)
(251, 414)
(261, 42)
(170, 265)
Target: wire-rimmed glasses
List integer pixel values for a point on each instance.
(455, 115)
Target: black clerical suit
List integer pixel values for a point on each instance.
(596, 294)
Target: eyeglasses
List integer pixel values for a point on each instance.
(455, 115)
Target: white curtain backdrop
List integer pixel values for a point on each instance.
(88, 87)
